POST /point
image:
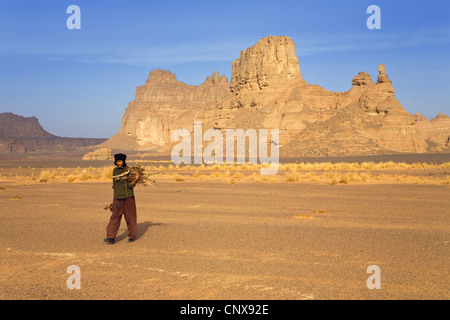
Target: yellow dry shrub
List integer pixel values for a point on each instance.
(364, 177)
(85, 176)
(293, 177)
(215, 174)
(71, 178)
(178, 177)
(255, 177)
(196, 174)
(44, 176)
(237, 175)
(105, 173)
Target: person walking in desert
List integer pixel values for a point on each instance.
(123, 201)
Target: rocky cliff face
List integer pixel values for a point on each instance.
(267, 91)
(25, 134)
(270, 60)
(164, 104)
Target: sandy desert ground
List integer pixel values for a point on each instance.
(226, 236)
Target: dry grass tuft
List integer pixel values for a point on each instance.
(71, 178)
(303, 216)
(237, 176)
(323, 172)
(44, 176)
(293, 176)
(178, 178)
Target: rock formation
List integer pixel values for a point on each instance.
(103, 153)
(270, 60)
(382, 76)
(14, 126)
(434, 132)
(362, 79)
(164, 104)
(25, 134)
(267, 91)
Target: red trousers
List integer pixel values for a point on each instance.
(127, 207)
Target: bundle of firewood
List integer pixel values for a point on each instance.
(142, 176)
(130, 175)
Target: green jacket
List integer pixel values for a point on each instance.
(122, 187)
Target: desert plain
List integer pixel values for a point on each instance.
(226, 232)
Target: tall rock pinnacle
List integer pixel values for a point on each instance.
(272, 58)
(382, 76)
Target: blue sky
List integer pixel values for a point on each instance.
(79, 82)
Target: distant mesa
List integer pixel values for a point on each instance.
(14, 126)
(267, 90)
(20, 134)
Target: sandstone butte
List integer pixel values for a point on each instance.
(267, 90)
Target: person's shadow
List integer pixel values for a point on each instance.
(142, 228)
